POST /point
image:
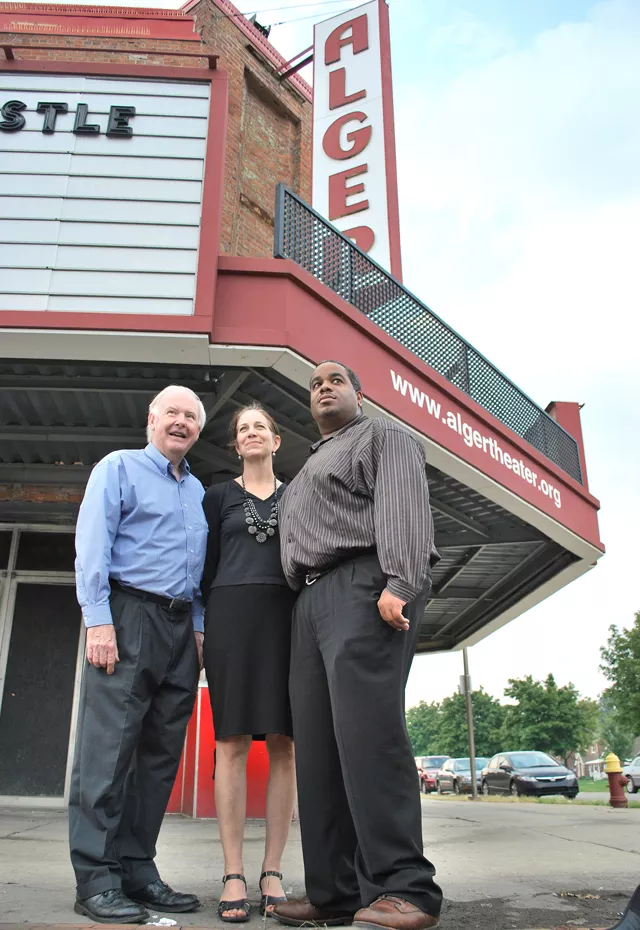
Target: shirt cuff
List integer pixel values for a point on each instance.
(198, 623)
(401, 589)
(98, 615)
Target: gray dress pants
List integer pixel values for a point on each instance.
(131, 730)
(360, 811)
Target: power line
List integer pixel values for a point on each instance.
(277, 9)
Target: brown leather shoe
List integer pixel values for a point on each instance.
(389, 912)
(299, 912)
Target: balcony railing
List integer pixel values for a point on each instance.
(309, 240)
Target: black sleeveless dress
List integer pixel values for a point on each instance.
(247, 639)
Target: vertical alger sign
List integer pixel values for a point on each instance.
(354, 157)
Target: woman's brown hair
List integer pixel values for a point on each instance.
(257, 408)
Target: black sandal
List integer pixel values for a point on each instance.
(241, 905)
(267, 900)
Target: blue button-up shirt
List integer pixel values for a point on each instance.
(141, 526)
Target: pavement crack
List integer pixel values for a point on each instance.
(36, 826)
(583, 842)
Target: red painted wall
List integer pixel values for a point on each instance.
(193, 792)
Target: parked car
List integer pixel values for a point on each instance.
(428, 768)
(455, 775)
(632, 771)
(527, 772)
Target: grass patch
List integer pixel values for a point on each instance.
(584, 801)
(528, 799)
(588, 784)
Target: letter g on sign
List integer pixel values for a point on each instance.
(357, 139)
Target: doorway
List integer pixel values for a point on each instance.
(41, 644)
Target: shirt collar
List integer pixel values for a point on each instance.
(162, 462)
(339, 432)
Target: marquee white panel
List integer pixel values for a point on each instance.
(120, 284)
(27, 256)
(72, 257)
(132, 236)
(101, 223)
(24, 301)
(65, 142)
(99, 85)
(125, 305)
(140, 189)
(105, 211)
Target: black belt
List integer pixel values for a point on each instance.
(171, 603)
(314, 573)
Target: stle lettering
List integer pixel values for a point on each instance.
(13, 119)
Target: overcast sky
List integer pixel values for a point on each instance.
(518, 140)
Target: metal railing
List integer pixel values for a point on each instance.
(309, 240)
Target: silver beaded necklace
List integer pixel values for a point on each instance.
(260, 529)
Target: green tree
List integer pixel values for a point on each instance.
(621, 666)
(488, 715)
(548, 718)
(423, 728)
(615, 734)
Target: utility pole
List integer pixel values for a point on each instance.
(472, 741)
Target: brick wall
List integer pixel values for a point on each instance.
(269, 122)
(268, 136)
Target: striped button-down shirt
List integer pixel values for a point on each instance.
(363, 487)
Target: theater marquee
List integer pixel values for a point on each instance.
(354, 160)
(101, 186)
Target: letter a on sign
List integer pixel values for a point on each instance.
(352, 62)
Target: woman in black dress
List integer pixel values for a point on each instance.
(246, 654)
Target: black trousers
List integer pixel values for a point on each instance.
(360, 811)
(131, 729)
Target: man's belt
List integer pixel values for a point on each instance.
(170, 603)
(314, 573)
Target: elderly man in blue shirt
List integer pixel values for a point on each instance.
(140, 544)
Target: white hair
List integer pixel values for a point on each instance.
(157, 400)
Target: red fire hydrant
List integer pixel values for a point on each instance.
(617, 781)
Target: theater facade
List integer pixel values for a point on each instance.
(155, 227)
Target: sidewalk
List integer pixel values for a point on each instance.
(502, 867)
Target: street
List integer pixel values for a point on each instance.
(500, 865)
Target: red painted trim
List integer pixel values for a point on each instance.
(102, 12)
(111, 322)
(285, 269)
(9, 47)
(100, 67)
(91, 25)
(567, 414)
(393, 212)
(212, 194)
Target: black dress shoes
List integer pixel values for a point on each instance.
(111, 907)
(159, 896)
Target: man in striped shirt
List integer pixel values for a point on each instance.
(357, 541)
